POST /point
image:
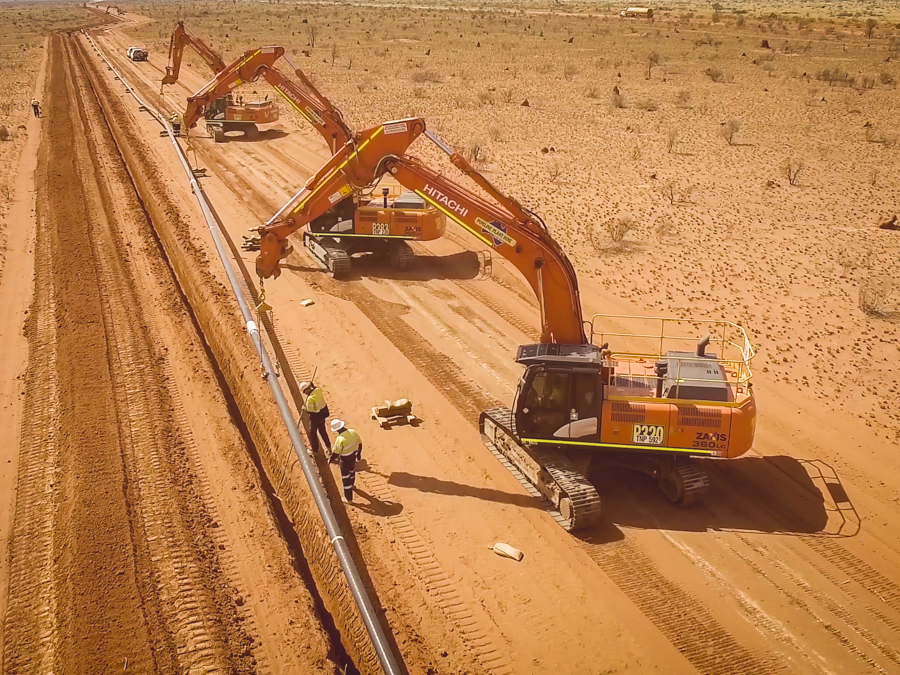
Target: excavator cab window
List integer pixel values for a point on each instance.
(562, 404)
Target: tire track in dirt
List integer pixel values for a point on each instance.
(30, 624)
(823, 599)
(683, 619)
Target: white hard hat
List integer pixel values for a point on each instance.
(337, 425)
(304, 386)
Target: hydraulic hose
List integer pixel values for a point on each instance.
(389, 661)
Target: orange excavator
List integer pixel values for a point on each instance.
(579, 405)
(216, 102)
(224, 113)
(341, 217)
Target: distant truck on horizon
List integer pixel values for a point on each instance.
(642, 12)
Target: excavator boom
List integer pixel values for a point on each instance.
(182, 38)
(312, 105)
(521, 239)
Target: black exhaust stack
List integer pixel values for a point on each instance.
(702, 345)
(661, 368)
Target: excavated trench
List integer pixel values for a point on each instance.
(285, 526)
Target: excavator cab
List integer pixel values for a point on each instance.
(559, 403)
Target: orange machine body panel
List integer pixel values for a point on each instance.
(259, 112)
(418, 224)
(692, 427)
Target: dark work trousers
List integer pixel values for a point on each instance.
(348, 474)
(37, 110)
(317, 427)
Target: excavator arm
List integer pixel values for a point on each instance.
(182, 38)
(312, 105)
(247, 68)
(513, 232)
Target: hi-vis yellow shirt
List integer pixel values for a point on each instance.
(315, 401)
(347, 442)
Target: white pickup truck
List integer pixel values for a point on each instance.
(137, 53)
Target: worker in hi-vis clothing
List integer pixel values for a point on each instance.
(347, 449)
(175, 120)
(318, 414)
(36, 107)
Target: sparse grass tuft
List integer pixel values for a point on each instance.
(422, 76)
(619, 227)
(671, 139)
(647, 104)
(876, 295)
(716, 74)
(476, 152)
(729, 129)
(683, 98)
(792, 168)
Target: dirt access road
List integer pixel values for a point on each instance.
(775, 574)
(141, 539)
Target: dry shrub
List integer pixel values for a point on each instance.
(792, 168)
(683, 98)
(835, 76)
(663, 228)
(592, 92)
(496, 134)
(716, 74)
(865, 82)
(647, 104)
(506, 95)
(570, 70)
(887, 136)
(618, 101)
(476, 152)
(886, 78)
(4, 133)
(876, 295)
(652, 62)
(729, 129)
(486, 98)
(618, 227)
(421, 76)
(671, 139)
(554, 171)
(419, 92)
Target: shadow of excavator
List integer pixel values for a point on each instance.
(261, 135)
(777, 495)
(462, 265)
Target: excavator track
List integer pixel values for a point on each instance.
(546, 473)
(401, 256)
(333, 258)
(684, 483)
